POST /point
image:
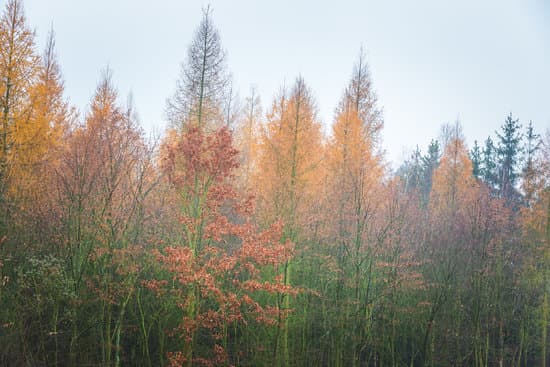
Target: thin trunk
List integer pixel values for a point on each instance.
(286, 307)
(545, 300)
(544, 326)
(5, 122)
(56, 346)
(501, 342)
(191, 312)
(203, 72)
(161, 336)
(521, 342)
(278, 334)
(144, 331)
(108, 336)
(74, 336)
(118, 328)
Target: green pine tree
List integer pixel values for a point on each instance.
(475, 156)
(508, 153)
(489, 164)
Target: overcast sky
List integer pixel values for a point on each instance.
(431, 61)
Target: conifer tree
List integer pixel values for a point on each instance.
(247, 134)
(429, 164)
(475, 156)
(509, 151)
(288, 179)
(489, 164)
(360, 96)
(529, 173)
(204, 81)
(19, 67)
(411, 171)
(41, 139)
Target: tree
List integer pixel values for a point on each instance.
(231, 109)
(25, 139)
(429, 164)
(200, 91)
(417, 171)
(489, 164)
(529, 170)
(453, 177)
(508, 151)
(475, 157)
(453, 185)
(40, 142)
(247, 135)
(360, 96)
(536, 235)
(114, 252)
(103, 177)
(287, 178)
(354, 173)
(19, 67)
(411, 171)
(218, 277)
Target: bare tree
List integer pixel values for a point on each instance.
(201, 89)
(360, 96)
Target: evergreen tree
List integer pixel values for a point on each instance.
(489, 164)
(411, 171)
(475, 156)
(529, 171)
(508, 151)
(429, 163)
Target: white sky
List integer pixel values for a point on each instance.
(431, 61)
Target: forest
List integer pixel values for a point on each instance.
(249, 237)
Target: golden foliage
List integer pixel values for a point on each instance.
(453, 180)
(290, 151)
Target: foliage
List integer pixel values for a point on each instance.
(116, 250)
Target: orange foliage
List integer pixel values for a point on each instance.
(453, 181)
(221, 245)
(288, 175)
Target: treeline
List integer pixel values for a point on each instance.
(246, 237)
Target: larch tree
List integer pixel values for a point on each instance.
(40, 142)
(453, 178)
(247, 135)
(203, 85)
(289, 157)
(287, 176)
(231, 108)
(453, 183)
(19, 68)
(361, 97)
(103, 177)
(123, 164)
(536, 228)
(486, 226)
(114, 252)
(465, 219)
(354, 176)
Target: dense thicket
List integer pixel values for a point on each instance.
(259, 242)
